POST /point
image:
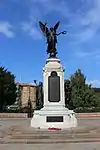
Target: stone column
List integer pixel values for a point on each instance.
(53, 65)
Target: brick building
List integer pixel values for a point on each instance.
(26, 92)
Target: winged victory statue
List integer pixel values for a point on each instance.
(51, 36)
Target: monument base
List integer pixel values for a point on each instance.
(53, 114)
(54, 118)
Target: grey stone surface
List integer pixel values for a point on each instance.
(17, 134)
(68, 146)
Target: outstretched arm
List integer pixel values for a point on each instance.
(64, 32)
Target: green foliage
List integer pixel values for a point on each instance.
(97, 97)
(82, 94)
(87, 109)
(7, 88)
(68, 91)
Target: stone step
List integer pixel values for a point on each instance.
(23, 141)
(60, 136)
(17, 134)
(68, 131)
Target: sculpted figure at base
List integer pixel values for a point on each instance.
(51, 36)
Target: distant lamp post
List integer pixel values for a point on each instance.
(35, 82)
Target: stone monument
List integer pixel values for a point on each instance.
(53, 114)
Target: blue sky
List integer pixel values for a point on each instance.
(23, 47)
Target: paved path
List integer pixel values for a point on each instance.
(68, 146)
(18, 135)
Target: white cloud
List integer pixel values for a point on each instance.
(86, 25)
(86, 35)
(90, 23)
(6, 29)
(86, 56)
(92, 16)
(51, 5)
(31, 30)
(94, 83)
(94, 54)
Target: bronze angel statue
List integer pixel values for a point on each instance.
(51, 36)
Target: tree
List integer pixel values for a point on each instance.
(7, 88)
(82, 94)
(68, 91)
(97, 95)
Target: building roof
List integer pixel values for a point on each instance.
(96, 89)
(25, 84)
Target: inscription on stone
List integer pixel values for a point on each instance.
(54, 119)
(54, 87)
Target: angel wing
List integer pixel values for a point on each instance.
(43, 28)
(56, 26)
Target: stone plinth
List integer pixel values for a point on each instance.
(54, 114)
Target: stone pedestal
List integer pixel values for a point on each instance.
(53, 114)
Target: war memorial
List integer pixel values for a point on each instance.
(53, 126)
(53, 114)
